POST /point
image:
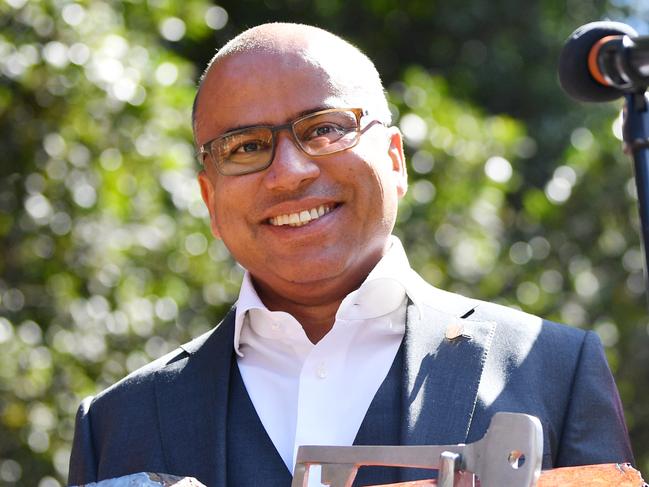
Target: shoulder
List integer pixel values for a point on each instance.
(514, 328)
(513, 319)
(539, 333)
(139, 384)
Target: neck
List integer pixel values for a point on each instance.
(317, 317)
(314, 304)
(316, 321)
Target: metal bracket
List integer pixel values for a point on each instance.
(509, 454)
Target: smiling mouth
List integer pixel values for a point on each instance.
(301, 218)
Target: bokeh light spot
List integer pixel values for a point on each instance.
(172, 29)
(216, 17)
(166, 74)
(498, 169)
(73, 14)
(414, 128)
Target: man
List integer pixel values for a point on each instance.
(334, 339)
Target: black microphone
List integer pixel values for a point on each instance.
(602, 61)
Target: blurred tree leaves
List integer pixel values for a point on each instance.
(106, 260)
(516, 194)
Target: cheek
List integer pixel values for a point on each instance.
(229, 209)
(385, 195)
(380, 181)
(377, 198)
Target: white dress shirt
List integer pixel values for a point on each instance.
(318, 394)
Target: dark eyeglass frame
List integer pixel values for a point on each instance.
(206, 148)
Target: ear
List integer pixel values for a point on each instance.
(208, 193)
(395, 151)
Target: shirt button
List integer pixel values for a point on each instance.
(275, 326)
(322, 371)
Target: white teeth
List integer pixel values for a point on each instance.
(301, 218)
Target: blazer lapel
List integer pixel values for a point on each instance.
(441, 375)
(191, 395)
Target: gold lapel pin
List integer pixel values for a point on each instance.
(456, 330)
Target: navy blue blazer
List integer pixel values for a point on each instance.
(170, 416)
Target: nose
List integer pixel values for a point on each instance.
(291, 168)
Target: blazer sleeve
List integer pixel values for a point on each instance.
(83, 463)
(594, 428)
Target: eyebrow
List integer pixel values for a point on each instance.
(296, 116)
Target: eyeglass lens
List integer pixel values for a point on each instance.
(320, 133)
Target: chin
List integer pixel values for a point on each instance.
(322, 274)
(305, 275)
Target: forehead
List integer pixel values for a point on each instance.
(262, 87)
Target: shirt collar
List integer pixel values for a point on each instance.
(382, 292)
(385, 287)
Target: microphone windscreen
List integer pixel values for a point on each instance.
(574, 75)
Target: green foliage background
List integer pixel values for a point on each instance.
(518, 195)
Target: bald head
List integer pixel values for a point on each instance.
(345, 68)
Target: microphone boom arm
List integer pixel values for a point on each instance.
(636, 143)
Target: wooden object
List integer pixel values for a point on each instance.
(607, 475)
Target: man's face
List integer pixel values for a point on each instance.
(358, 189)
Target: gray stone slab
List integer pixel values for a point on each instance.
(147, 479)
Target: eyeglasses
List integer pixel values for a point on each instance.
(253, 149)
